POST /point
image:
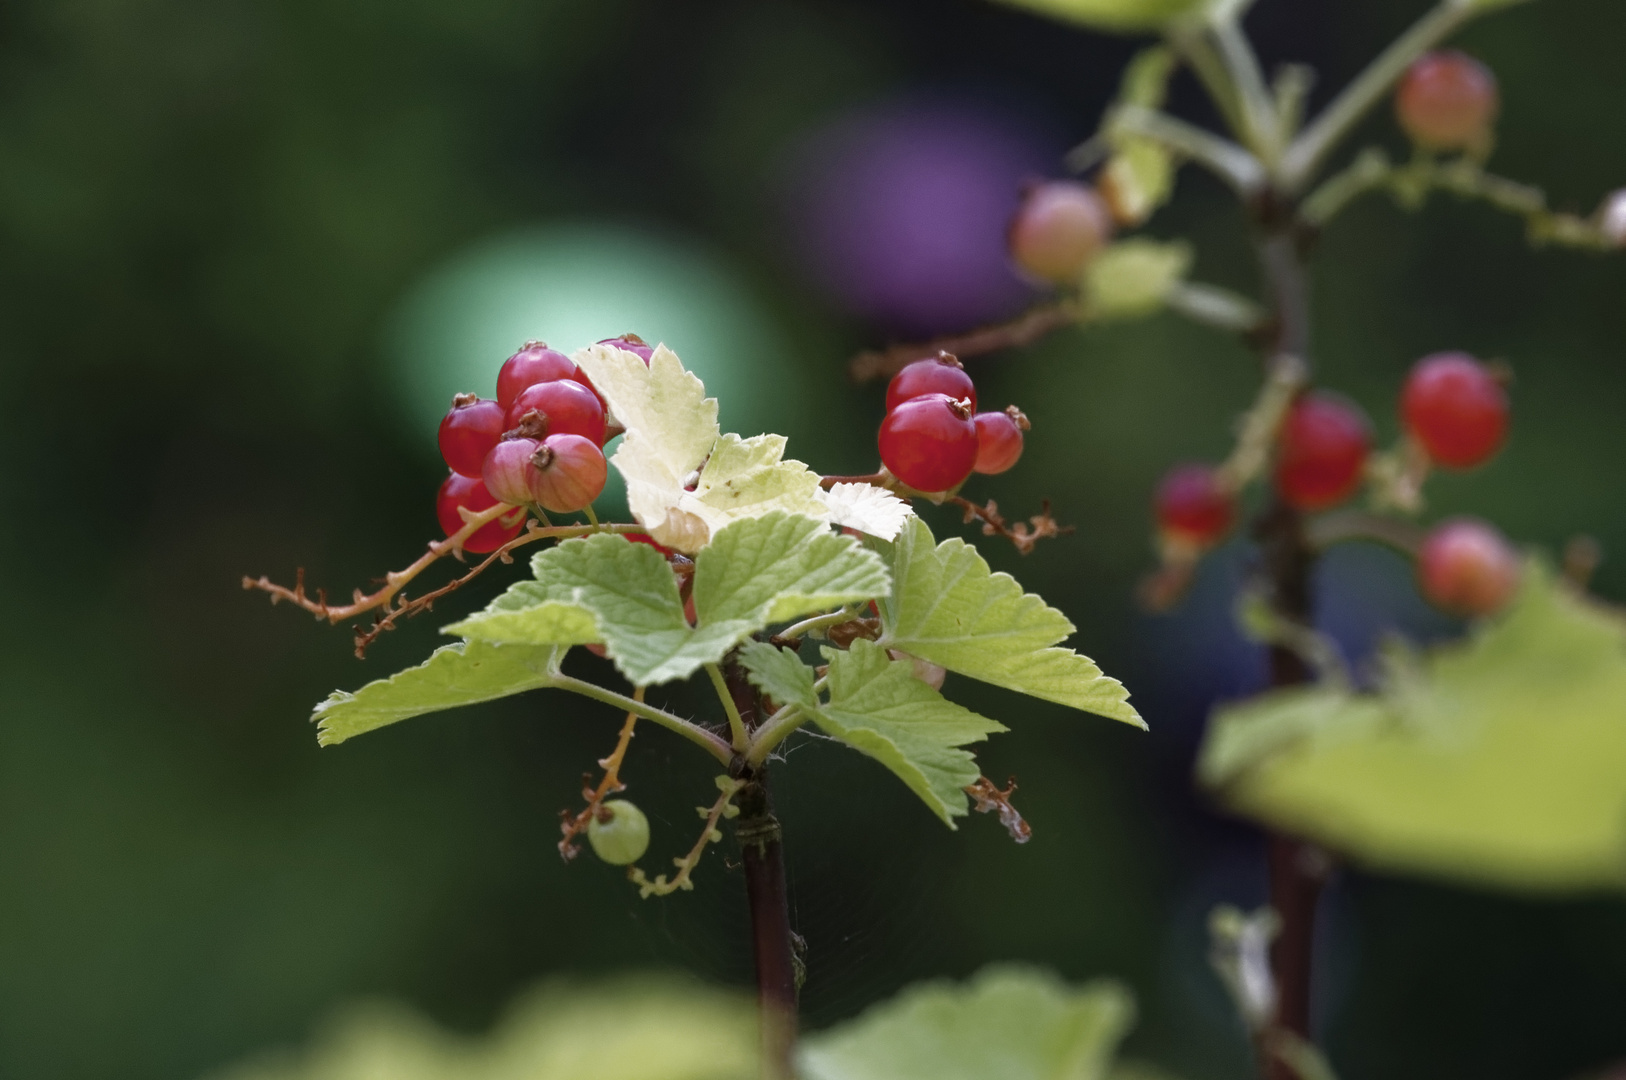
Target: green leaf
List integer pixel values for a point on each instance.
(779, 673)
(455, 675)
(948, 607)
(1498, 760)
(1130, 279)
(782, 566)
(1007, 1023)
(1120, 16)
(878, 707)
(1145, 81)
(607, 589)
(685, 481)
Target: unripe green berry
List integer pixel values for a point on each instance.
(619, 833)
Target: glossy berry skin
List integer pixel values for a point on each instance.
(1322, 452)
(999, 441)
(1193, 506)
(459, 491)
(468, 432)
(1455, 408)
(1058, 230)
(619, 833)
(569, 407)
(509, 474)
(940, 374)
(535, 363)
(631, 343)
(1447, 101)
(929, 442)
(1467, 568)
(571, 472)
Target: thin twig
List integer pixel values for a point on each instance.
(572, 825)
(1025, 329)
(1020, 534)
(707, 740)
(709, 834)
(1342, 525)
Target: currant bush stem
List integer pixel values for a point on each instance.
(1305, 156)
(773, 731)
(1025, 329)
(1215, 307)
(819, 622)
(736, 725)
(1224, 158)
(1260, 131)
(1341, 525)
(696, 734)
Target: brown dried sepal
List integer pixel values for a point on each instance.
(986, 799)
(1024, 535)
(842, 635)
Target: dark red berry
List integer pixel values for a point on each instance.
(463, 491)
(468, 433)
(929, 442)
(1467, 568)
(1322, 452)
(1447, 101)
(1193, 505)
(569, 408)
(535, 363)
(1456, 408)
(1059, 228)
(645, 538)
(631, 343)
(940, 374)
(999, 440)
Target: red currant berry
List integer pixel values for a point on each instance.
(565, 406)
(631, 343)
(1446, 101)
(999, 440)
(929, 442)
(463, 491)
(1059, 228)
(1192, 505)
(1455, 407)
(940, 374)
(509, 474)
(1322, 452)
(535, 363)
(1467, 568)
(468, 433)
(570, 473)
(645, 538)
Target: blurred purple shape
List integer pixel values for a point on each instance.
(899, 211)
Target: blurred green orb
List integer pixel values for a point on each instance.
(572, 284)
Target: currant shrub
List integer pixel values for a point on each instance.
(471, 494)
(999, 440)
(535, 363)
(1193, 506)
(566, 407)
(1455, 408)
(631, 343)
(1447, 100)
(1322, 451)
(619, 833)
(940, 374)
(929, 442)
(1466, 567)
(468, 432)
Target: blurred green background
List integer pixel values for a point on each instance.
(247, 248)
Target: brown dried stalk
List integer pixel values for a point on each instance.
(572, 825)
(1020, 534)
(1025, 329)
(986, 798)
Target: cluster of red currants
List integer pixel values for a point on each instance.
(933, 438)
(540, 443)
(1455, 413)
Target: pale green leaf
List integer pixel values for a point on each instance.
(779, 567)
(1131, 278)
(607, 589)
(685, 482)
(1145, 80)
(1136, 180)
(779, 673)
(627, 1028)
(1499, 760)
(455, 675)
(948, 607)
(867, 508)
(877, 706)
(1007, 1023)
(1121, 16)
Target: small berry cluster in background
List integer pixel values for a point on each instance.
(933, 438)
(1454, 410)
(538, 444)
